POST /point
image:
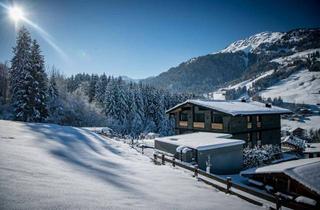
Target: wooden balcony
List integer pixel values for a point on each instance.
(217, 126)
(198, 124)
(249, 125)
(183, 123)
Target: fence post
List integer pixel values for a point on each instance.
(229, 183)
(278, 202)
(163, 159)
(196, 171)
(173, 162)
(155, 158)
(142, 148)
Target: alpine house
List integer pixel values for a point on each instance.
(254, 122)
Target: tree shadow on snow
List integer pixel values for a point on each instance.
(77, 149)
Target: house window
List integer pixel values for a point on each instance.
(249, 121)
(198, 117)
(249, 140)
(259, 135)
(217, 118)
(259, 138)
(258, 121)
(258, 118)
(183, 116)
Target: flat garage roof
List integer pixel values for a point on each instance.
(202, 140)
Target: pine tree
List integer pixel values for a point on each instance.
(92, 87)
(101, 87)
(20, 77)
(40, 83)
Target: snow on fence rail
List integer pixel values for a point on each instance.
(226, 185)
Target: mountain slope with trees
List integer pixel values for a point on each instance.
(241, 60)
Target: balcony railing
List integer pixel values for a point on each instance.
(183, 123)
(198, 124)
(217, 126)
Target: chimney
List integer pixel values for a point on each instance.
(268, 105)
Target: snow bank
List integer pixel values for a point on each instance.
(46, 166)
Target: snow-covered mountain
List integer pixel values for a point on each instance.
(284, 53)
(251, 43)
(298, 85)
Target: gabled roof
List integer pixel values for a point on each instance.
(202, 140)
(235, 107)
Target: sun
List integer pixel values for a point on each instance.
(16, 13)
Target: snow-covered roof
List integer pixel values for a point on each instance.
(304, 171)
(201, 140)
(236, 107)
(295, 141)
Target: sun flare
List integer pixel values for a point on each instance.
(16, 13)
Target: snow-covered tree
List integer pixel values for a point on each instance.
(258, 156)
(40, 87)
(21, 80)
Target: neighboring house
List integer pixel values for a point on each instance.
(299, 132)
(256, 123)
(294, 143)
(216, 151)
(296, 180)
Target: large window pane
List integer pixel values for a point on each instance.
(199, 117)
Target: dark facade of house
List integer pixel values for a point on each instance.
(255, 128)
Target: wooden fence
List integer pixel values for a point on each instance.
(226, 185)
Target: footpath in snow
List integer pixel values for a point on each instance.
(46, 166)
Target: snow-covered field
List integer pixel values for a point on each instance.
(301, 87)
(46, 166)
(312, 122)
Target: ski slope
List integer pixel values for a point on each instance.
(46, 166)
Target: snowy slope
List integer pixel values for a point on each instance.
(301, 87)
(296, 56)
(219, 94)
(312, 122)
(251, 43)
(248, 83)
(46, 166)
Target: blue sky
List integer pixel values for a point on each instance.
(141, 38)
